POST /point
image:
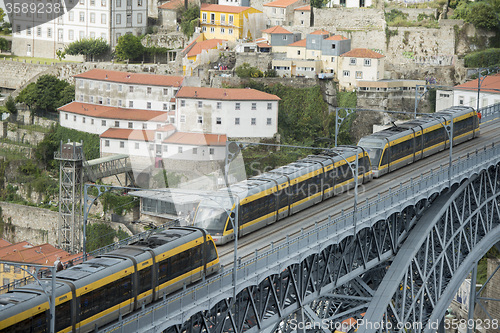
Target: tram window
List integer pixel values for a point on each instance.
(212, 253)
(385, 157)
(257, 208)
(145, 280)
(344, 173)
(63, 315)
(184, 262)
(162, 271)
(401, 150)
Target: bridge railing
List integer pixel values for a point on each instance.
(180, 307)
(489, 113)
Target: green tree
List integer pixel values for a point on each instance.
(189, 19)
(60, 54)
(129, 47)
(246, 70)
(481, 14)
(4, 44)
(88, 47)
(28, 96)
(10, 105)
(318, 3)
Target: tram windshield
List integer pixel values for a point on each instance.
(374, 150)
(211, 219)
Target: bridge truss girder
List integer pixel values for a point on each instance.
(329, 285)
(430, 272)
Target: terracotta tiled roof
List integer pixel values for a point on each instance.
(362, 53)
(225, 94)
(223, 8)
(490, 84)
(7, 250)
(337, 37)
(4, 243)
(197, 139)
(304, 8)
(166, 128)
(276, 30)
(129, 134)
(111, 112)
(44, 254)
(132, 78)
(205, 45)
(173, 4)
(280, 3)
(299, 43)
(320, 32)
(263, 45)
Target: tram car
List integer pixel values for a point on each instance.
(99, 290)
(400, 145)
(274, 195)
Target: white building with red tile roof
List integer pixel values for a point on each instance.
(466, 93)
(281, 12)
(124, 89)
(238, 113)
(96, 119)
(360, 64)
(162, 144)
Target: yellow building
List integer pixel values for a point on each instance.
(200, 52)
(231, 22)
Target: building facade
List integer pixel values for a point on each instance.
(238, 113)
(279, 38)
(281, 12)
(359, 64)
(42, 34)
(230, 22)
(127, 90)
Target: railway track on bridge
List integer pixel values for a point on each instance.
(262, 240)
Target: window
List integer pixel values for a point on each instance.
(204, 17)
(165, 106)
(237, 107)
(211, 151)
(120, 102)
(254, 106)
(200, 104)
(223, 18)
(352, 61)
(119, 87)
(92, 17)
(195, 150)
(165, 91)
(81, 97)
(219, 105)
(136, 145)
(333, 46)
(118, 19)
(179, 150)
(183, 102)
(139, 3)
(100, 100)
(108, 101)
(144, 126)
(139, 17)
(130, 104)
(66, 116)
(368, 62)
(298, 52)
(39, 32)
(269, 106)
(82, 17)
(200, 120)
(49, 32)
(218, 120)
(131, 89)
(230, 31)
(130, 124)
(92, 2)
(285, 37)
(108, 86)
(346, 73)
(222, 30)
(83, 120)
(18, 29)
(91, 99)
(269, 121)
(253, 121)
(122, 144)
(103, 3)
(460, 100)
(106, 143)
(92, 121)
(103, 18)
(231, 19)
(103, 122)
(148, 105)
(359, 75)
(236, 121)
(212, 29)
(129, 19)
(183, 118)
(117, 123)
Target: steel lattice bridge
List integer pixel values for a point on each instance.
(398, 258)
